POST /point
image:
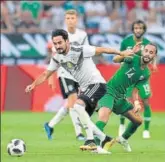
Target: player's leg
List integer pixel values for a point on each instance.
(105, 105)
(122, 118)
(145, 93)
(73, 89)
(68, 91)
(89, 98)
(135, 122)
(126, 109)
(74, 117)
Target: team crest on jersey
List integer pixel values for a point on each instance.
(141, 77)
(69, 65)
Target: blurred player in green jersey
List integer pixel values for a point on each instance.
(138, 28)
(133, 71)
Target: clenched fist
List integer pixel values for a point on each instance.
(137, 106)
(29, 88)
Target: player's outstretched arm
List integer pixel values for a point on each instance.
(100, 50)
(135, 97)
(51, 82)
(120, 58)
(42, 78)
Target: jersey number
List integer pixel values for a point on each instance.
(130, 72)
(146, 88)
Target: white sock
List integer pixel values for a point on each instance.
(62, 112)
(85, 120)
(75, 121)
(97, 131)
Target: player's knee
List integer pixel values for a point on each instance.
(79, 107)
(139, 121)
(104, 114)
(72, 99)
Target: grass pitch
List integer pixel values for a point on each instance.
(64, 147)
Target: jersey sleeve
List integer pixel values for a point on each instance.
(53, 65)
(132, 59)
(128, 60)
(89, 51)
(141, 83)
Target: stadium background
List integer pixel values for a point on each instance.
(25, 31)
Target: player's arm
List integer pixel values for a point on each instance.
(154, 67)
(89, 51)
(53, 66)
(101, 50)
(120, 58)
(51, 82)
(42, 78)
(135, 97)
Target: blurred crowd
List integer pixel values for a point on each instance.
(94, 16)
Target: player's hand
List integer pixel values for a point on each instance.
(52, 85)
(126, 53)
(137, 106)
(137, 47)
(29, 88)
(154, 68)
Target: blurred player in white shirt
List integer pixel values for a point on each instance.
(69, 86)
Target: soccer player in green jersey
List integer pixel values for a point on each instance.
(138, 28)
(133, 71)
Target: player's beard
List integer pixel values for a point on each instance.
(147, 59)
(138, 35)
(61, 51)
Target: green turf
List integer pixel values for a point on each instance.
(65, 148)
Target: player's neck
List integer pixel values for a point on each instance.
(137, 39)
(67, 50)
(71, 30)
(143, 65)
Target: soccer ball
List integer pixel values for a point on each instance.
(16, 147)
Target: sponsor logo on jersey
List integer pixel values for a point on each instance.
(129, 47)
(69, 65)
(70, 87)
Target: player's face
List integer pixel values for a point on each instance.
(148, 53)
(71, 21)
(60, 44)
(138, 30)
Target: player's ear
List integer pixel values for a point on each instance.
(67, 41)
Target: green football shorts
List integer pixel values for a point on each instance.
(118, 106)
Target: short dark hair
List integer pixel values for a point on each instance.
(153, 44)
(139, 22)
(60, 32)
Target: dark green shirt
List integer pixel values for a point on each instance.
(130, 73)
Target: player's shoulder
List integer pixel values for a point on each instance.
(128, 37)
(81, 31)
(146, 40)
(76, 47)
(136, 57)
